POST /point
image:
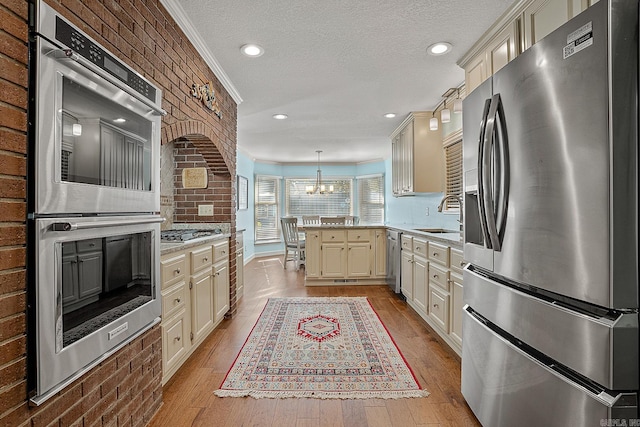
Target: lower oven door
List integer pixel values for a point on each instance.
(96, 289)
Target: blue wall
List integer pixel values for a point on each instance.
(409, 211)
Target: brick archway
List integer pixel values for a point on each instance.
(207, 142)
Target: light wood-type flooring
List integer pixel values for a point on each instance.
(189, 398)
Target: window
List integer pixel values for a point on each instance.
(371, 199)
(267, 215)
(453, 178)
(298, 202)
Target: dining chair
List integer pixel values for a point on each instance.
(351, 220)
(293, 243)
(332, 220)
(310, 219)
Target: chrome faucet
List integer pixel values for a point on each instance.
(459, 199)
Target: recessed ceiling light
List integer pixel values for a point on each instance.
(439, 48)
(252, 50)
(280, 116)
(119, 120)
(390, 115)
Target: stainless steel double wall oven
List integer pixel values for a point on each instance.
(94, 224)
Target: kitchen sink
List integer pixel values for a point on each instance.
(436, 230)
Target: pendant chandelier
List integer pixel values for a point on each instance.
(319, 187)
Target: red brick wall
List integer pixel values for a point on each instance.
(125, 389)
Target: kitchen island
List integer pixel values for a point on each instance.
(345, 254)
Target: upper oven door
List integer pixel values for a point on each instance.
(97, 145)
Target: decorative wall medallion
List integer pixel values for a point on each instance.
(194, 178)
(205, 94)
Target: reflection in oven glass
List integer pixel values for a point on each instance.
(103, 142)
(102, 280)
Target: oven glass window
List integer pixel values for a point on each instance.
(103, 142)
(102, 280)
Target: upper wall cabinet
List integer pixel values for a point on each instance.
(519, 28)
(414, 143)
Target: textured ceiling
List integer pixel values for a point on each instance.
(335, 67)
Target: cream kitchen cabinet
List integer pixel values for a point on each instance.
(312, 254)
(519, 28)
(413, 141)
(195, 297)
(431, 281)
(239, 265)
(415, 273)
(352, 254)
(220, 274)
(498, 52)
(380, 253)
(420, 275)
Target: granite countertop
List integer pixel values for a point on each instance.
(170, 247)
(452, 239)
(340, 226)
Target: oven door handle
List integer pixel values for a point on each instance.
(71, 226)
(61, 54)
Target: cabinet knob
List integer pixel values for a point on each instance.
(178, 271)
(178, 300)
(435, 254)
(205, 259)
(177, 338)
(223, 252)
(435, 276)
(435, 306)
(333, 237)
(462, 264)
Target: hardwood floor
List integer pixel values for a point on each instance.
(189, 398)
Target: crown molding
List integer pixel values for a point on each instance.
(178, 14)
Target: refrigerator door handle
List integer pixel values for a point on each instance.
(487, 173)
(504, 175)
(481, 143)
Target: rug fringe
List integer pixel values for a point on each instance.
(263, 394)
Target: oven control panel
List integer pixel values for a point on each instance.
(88, 49)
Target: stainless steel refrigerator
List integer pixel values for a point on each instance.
(550, 329)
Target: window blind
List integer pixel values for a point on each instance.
(266, 208)
(298, 202)
(453, 184)
(371, 199)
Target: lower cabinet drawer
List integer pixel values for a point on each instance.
(439, 307)
(220, 250)
(333, 235)
(439, 276)
(358, 235)
(174, 343)
(439, 254)
(174, 299)
(201, 259)
(172, 270)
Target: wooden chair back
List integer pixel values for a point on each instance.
(310, 219)
(290, 231)
(332, 220)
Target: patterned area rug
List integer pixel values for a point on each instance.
(323, 347)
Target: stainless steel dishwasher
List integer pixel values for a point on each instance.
(394, 259)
